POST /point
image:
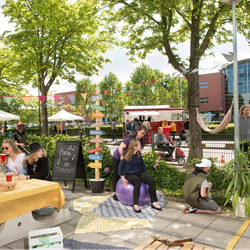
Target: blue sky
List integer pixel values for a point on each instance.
(122, 67)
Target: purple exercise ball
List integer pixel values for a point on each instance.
(125, 193)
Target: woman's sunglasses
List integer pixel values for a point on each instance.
(5, 148)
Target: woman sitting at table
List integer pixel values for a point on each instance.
(135, 171)
(15, 160)
(38, 164)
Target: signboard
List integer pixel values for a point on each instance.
(95, 157)
(96, 140)
(97, 115)
(96, 124)
(93, 150)
(68, 162)
(95, 98)
(95, 165)
(93, 106)
(96, 132)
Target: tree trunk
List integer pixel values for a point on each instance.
(195, 146)
(44, 113)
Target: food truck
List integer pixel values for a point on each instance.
(153, 116)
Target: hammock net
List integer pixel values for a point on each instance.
(221, 127)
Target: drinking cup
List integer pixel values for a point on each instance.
(9, 177)
(3, 157)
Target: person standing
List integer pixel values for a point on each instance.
(132, 126)
(55, 128)
(244, 126)
(20, 137)
(127, 128)
(64, 129)
(114, 128)
(1, 128)
(164, 123)
(173, 129)
(186, 126)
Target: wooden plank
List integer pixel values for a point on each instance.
(154, 245)
(187, 246)
(208, 248)
(198, 247)
(145, 243)
(163, 247)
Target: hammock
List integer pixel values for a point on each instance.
(221, 127)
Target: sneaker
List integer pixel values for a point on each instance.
(115, 197)
(188, 210)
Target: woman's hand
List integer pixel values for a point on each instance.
(21, 177)
(124, 181)
(122, 157)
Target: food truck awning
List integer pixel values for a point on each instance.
(144, 113)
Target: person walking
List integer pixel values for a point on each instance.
(114, 128)
(244, 126)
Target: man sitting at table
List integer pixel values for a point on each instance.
(163, 143)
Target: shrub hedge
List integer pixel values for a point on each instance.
(168, 178)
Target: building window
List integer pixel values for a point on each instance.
(222, 81)
(222, 99)
(203, 85)
(205, 102)
(203, 98)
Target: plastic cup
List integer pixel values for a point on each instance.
(3, 157)
(9, 177)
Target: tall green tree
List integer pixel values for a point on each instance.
(56, 38)
(82, 106)
(164, 25)
(113, 99)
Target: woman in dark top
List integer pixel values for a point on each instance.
(38, 164)
(135, 171)
(138, 134)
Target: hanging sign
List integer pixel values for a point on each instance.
(93, 106)
(95, 157)
(95, 98)
(97, 115)
(95, 165)
(96, 124)
(96, 132)
(96, 140)
(93, 150)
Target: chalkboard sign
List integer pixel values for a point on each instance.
(68, 162)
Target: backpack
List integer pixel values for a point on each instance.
(127, 126)
(137, 125)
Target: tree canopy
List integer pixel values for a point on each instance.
(165, 25)
(56, 38)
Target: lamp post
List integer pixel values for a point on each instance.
(235, 67)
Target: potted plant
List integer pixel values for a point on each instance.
(238, 191)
